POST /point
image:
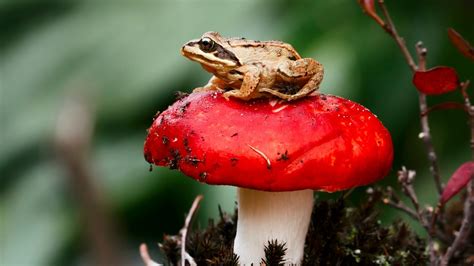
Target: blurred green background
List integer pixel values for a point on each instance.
(123, 58)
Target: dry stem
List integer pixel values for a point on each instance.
(146, 256)
(466, 225)
(470, 110)
(406, 177)
(421, 52)
(392, 31)
(184, 231)
(461, 237)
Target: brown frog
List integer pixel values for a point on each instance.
(252, 69)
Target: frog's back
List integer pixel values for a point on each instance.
(251, 51)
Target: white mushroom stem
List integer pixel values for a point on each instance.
(264, 216)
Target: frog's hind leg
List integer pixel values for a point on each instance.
(288, 97)
(291, 71)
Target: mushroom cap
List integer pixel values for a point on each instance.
(321, 142)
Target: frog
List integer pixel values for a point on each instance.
(249, 69)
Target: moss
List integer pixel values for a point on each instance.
(274, 253)
(338, 235)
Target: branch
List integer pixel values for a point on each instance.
(406, 178)
(465, 229)
(392, 31)
(425, 135)
(184, 231)
(400, 206)
(470, 111)
(146, 257)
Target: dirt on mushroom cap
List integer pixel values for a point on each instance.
(320, 142)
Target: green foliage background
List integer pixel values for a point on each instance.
(124, 56)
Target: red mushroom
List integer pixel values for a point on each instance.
(276, 153)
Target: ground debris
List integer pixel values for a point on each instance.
(338, 235)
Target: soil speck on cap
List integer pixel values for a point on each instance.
(179, 95)
(186, 145)
(283, 156)
(182, 108)
(148, 157)
(165, 140)
(235, 134)
(156, 115)
(234, 161)
(202, 176)
(192, 160)
(173, 162)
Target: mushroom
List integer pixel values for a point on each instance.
(276, 153)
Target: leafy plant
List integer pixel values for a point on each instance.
(454, 243)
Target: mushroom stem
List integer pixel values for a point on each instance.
(264, 216)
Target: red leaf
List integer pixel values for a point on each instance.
(458, 181)
(459, 42)
(437, 80)
(369, 8)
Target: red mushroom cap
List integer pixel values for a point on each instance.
(320, 142)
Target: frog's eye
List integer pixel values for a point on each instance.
(207, 45)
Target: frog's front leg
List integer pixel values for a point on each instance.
(294, 71)
(214, 84)
(250, 81)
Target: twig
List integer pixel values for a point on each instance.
(395, 201)
(461, 237)
(425, 136)
(405, 178)
(464, 231)
(184, 231)
(470, 110)
(392, 31)
(146, 257)
(269, 164)
(421, 52)
(464, 86)
(401, 206)
(74, 130)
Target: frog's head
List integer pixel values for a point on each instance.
(212, 51)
